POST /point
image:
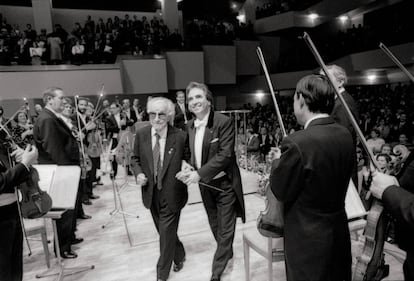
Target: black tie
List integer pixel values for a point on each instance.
(157, 160)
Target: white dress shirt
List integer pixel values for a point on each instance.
(163, 139)
(200, 126)
(118, 119)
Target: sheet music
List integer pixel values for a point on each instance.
(353, 204)
(61, 183)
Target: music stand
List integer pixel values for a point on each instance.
(118, 208)
(59, 182)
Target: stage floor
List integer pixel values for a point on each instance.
(115, 260)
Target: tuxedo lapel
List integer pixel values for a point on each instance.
(191, 136)
(60, 121)
(208, 133)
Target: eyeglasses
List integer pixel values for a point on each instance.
(161, 115)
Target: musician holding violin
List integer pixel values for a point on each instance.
(57, 145)
(311, 180)
(398, 199)
(11, 236)
(22, 133)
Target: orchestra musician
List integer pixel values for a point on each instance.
(312, 180)
(115, 123)
(11, 236)
(398, 199)
(182, 115)
(22, 133)
(159, 150)
(126, 108)
(57, 145)
(212, 138)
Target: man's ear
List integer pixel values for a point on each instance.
(301, 101)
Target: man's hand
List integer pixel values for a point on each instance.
(142, 179)
(90, 126)
(185, 167)
(191, 177)
(380, 182)
(17, 154)
(30, 155)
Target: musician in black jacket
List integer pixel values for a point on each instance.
(399, 201)
(311, 180)
(11, 236)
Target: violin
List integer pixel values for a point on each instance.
(94, 148)
(35, 202)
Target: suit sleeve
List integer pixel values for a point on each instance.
(136, 157)
(112, 127)
(254, 145)
(187, 151)
(13, 177)
(400, 203)
(286, 180)
(225, 152)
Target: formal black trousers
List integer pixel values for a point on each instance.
(166, 222)
(221, 212)
(408, 266)
(11, 244)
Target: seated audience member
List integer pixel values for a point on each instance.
(375, 142)
(383, 161)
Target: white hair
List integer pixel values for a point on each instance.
(167, 103)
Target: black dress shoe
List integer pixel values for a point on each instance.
(178, 266)
(69, 255)
(215, 278)
(84, 217)
(87, 202)
(94, 196)
(76, 241)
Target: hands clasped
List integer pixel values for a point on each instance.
(187, 174)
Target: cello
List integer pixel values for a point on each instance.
(370, 265)
(270, 222)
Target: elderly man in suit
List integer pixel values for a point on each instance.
(212, 139)
(311, 180)
(57, 145)
(159, 150)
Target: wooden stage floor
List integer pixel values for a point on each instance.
(115, 260)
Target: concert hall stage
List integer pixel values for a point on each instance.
(115, 260)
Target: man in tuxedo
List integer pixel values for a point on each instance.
(182, 115)
(212, 139)
(159, 150)
(11, 236)
(253, 144)
(398, 199)
(57, 145)
(116, 122)
(311, 180)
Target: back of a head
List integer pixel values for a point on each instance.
(50, 93)
(317, 92)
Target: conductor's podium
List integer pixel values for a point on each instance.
(250, 182)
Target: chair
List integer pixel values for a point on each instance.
(38, 226)
(269, 248)
(272, 248)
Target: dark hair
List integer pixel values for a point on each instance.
(201, 86)
(317, 92)
(386, 156)
(16, 118)
(376, 131)
(83, 98)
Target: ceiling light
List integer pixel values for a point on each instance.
(313, 16)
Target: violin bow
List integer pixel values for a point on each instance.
(98, 103)
(396, 61)
(79, 129)
(269, 83)
(332, 81)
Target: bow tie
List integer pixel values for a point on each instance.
(200, 123)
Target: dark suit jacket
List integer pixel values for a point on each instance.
(341, 117)
(133, 116)
(54, 140)
(218, 154)
(312, 179)
(11, 177)
(267, 144)
(179, 120)
(112, 125)
(399, 201)
(176, 149)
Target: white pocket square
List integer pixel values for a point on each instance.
(214, 140)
